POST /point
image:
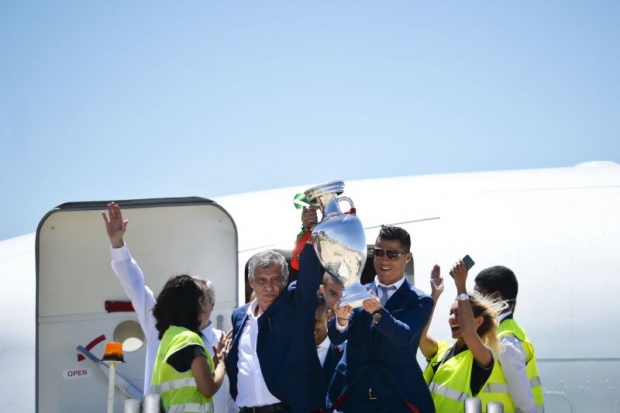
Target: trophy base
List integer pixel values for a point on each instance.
(354, 295)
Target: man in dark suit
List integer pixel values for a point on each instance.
(329, 354)
(379, 371)
(273, 364)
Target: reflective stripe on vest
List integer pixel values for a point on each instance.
(179, 391)
(503, 387)
(450, 383)
(190, 407)
(446, 391)
(176, 384)
(496, 389)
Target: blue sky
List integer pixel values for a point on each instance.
(103, 100)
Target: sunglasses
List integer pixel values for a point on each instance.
(391, 254)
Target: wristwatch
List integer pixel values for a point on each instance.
(462, 297)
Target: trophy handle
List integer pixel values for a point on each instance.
(346, 198)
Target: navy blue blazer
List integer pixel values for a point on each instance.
(285, 344)
(334, 355)
(379, 369)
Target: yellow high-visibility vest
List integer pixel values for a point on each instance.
(450, 385)
(178, 391)
(496, 389)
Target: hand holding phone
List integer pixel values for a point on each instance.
(468, 264)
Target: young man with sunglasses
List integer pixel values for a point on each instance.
(379, 371)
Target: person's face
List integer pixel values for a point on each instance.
(453, 320)
(320, 327)
(389, 270)
(332, 290)
(205, 315)
(267, 284)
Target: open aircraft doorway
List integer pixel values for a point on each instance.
(81, 304)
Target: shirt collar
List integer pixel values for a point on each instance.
(504, 315)
(252, 307)
(397, 284)
(325, 343)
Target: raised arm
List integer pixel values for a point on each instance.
(128, 272)
(308, 279)
(468, 324)
(428, 345)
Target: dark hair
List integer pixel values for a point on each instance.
(498, 278)
(391, 233)
(180, 303)
(321, 303)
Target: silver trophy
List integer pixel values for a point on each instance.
(340, 242)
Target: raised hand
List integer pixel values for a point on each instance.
(437, 284)
(114, 225)
(309, 217)
(459, 271)
(223, 347)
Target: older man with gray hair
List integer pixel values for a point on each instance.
(273, 364)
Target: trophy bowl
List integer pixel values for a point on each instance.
(339, 241)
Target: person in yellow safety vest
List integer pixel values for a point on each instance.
(184, 373)
(516, 382)
(456, 372)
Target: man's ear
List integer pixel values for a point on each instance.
(322, 289)
(496, 295)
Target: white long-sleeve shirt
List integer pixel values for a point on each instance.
(132, 280)
(512, 360)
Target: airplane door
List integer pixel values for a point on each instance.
(75, 280)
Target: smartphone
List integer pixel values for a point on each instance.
(468, 264)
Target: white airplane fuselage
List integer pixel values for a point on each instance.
(557, 229)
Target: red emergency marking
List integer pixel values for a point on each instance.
(112, 306)
(90, 345)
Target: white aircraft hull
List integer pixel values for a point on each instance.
(558, 229)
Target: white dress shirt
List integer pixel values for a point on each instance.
(322, 349)
(251, 386)
(397, 284)
(132, 280)
(512, 360)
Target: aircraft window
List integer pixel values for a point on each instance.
(130, 334)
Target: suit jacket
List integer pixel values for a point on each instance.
(285, 344)
(334, 355)
(380, 360)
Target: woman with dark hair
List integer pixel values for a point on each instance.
(460, 370)
(184, 374)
